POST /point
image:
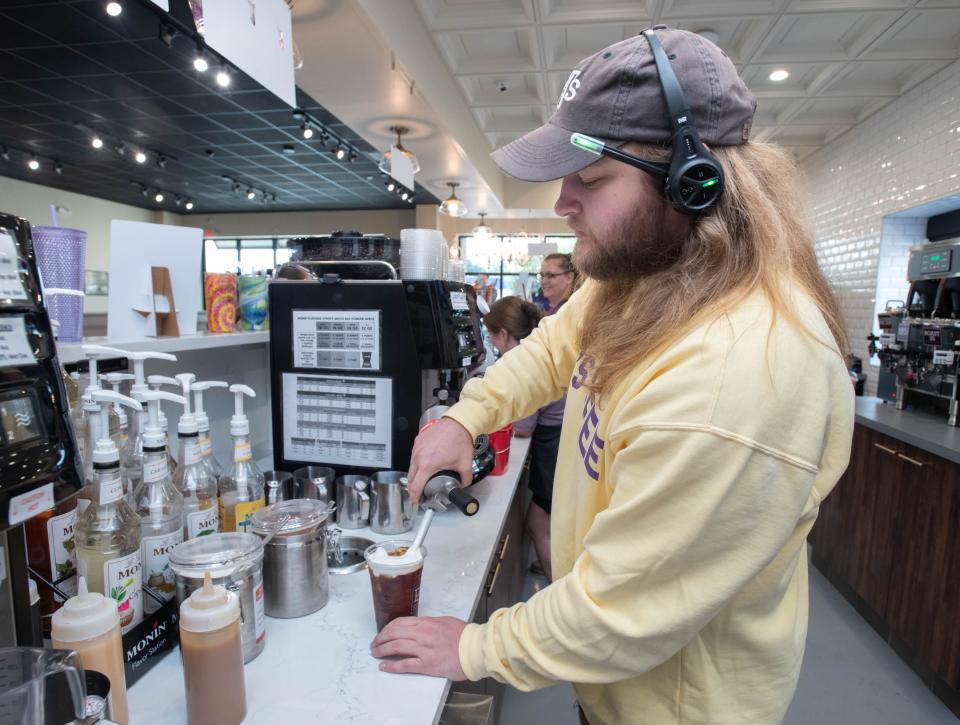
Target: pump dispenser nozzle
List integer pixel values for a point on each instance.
(115, 380)
(239, 425)
(137, 358)
(105, 451)
(92, 352)
(198, 389)
(153, 435)
(188, 422)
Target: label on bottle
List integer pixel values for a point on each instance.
(206, 447)
(203, 522)
(122, 582)
(63, 555)
(243, 513)
(191, 453)
(259, 621)
(155, 470)
(242, 452)
(111, 487)
(157, 573)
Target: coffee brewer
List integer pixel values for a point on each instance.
(919, 342)
(38, 460)
(356, 355)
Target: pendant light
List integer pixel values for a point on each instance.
(452, 205)
(384, 164)
(482, 230)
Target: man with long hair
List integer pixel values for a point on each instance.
(708, 413)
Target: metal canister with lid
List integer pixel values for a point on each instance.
(295, 556)
(234, 560)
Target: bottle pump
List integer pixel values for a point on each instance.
(241, 486)
(115, 380)
(132, 458)
(108, 533)
(193, 479)
(203, 424)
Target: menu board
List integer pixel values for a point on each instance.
(338, 420)
(337, 339)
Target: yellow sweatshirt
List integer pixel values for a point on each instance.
(680, 514)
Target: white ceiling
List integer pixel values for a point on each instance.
(846, 58)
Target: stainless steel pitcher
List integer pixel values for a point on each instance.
(315, 482)
(391, 511)
(353, 501)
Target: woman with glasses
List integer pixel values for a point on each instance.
(509, 321)
(558, 280)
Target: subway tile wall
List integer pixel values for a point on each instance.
(905, 155)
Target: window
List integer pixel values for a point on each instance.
(505, 262)
(245, 255)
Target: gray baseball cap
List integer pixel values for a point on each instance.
(615, 95)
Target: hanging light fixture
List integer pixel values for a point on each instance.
(384, 164)
(482, 229)
(452, 205)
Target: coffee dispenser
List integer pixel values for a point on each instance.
(354, 363)
(38, 458)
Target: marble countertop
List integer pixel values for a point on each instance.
(318, 668)
(926, 431)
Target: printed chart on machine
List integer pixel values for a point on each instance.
(337, 419)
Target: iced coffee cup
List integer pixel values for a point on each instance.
(395, 572)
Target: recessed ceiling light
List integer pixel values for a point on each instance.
(779, 75)
(114, 9)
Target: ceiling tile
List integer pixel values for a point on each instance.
(844, 111)
(738, 37)
(566, 45)
(509, 89)
(823, 36)
(490, 51)
(881, 77)
(573, 11)
(804, 78)
(921, 34)
(462, 14)
(707, 8)
(509, 118)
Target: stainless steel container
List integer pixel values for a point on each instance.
(294, 556)
(277, 486)
(353, 502)
(391, 511)
(315, 482)
(234, 560)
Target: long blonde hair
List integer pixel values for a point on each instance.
(756, 239)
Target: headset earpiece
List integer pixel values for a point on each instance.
(695, 180)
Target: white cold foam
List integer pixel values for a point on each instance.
(388, 565)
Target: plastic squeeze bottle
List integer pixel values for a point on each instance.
(107, 534)
(193, 479)
(131, 460)
(212, 656)
(203, 424)
(159, 505)
(89, 624)
(240, 486)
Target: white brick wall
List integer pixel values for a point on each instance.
(906, 154)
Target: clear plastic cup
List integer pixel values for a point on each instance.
(396, 586)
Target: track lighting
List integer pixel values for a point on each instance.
(404, 196)
(352, 156)
(140, 157)
(223, 78)
(96, 142)
(5, 153)
(391, 186)
(58, 168)
(188, 206)
(339, 152)
(158, 197)
(200, 64)
(307, 131)
(251, 194)
(114, 9)
(33, 163)
(161, 161)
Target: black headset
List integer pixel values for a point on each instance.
(694, 179)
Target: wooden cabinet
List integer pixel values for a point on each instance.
(889, 537)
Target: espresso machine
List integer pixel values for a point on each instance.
(919, 341)
(357, 355)
(39, 467)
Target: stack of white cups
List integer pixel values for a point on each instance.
(420, 254)
(455, 271)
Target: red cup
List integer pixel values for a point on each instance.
(500, 442)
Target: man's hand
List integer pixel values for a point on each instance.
(445, 445)
(430, 646)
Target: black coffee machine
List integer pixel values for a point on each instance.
(355, 362)
(38, 463)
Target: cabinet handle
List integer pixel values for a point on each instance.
(493, 580)
(503, 547)
(891, 451)
(914, 461)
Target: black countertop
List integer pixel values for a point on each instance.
(926, 431)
